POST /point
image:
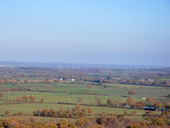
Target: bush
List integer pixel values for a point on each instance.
(7, 112)
(157, 121)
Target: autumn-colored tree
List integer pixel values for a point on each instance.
(149, 101)
(42, 100)
(52, 112)
(78, 107)
(2, 95)
(38, 112)
(134, 125)
(18, 99)
(32, 98)
(157, 121)
(143, 123)
(98, 100)
(7, 112)
(139, 105)
(84, 110)
(131, 92)
(9, 101)
(126, 113)
(89, 111)
(61, 112)
(166, 104)
(117, 102)
(81, 121)
(109, 102)
(102, 119)
(68, 113)
(45, 112)
(64, 123)
(25, 98)
(157, 104)
(130, 101)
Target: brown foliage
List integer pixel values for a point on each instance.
(150, 101)
(130, 101)
(2, 95)
(131, 92)
(89, 86)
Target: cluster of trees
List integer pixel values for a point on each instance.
(114, 103)
(131, 92)
(25, 99)
(76, 112)
(119, 121)
(102, 121)
(14, 89)
(146, 82)
(138, 105)
(130, 101)
(149, 102)
(32, 122)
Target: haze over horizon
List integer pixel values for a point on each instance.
(95, 32)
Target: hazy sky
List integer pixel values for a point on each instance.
(130, 32)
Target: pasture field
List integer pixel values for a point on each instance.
(76, 91)
(71, 92)
(106, 91)
(29, 108)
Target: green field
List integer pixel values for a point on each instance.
(29, 108)
(75, 91)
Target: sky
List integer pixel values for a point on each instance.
(125, 32)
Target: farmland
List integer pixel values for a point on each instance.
(26, 90)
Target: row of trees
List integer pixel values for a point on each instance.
(102, 121)
(119, 121)
(25, 99)
(138, 105)
(33, 122)
(76, 112)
